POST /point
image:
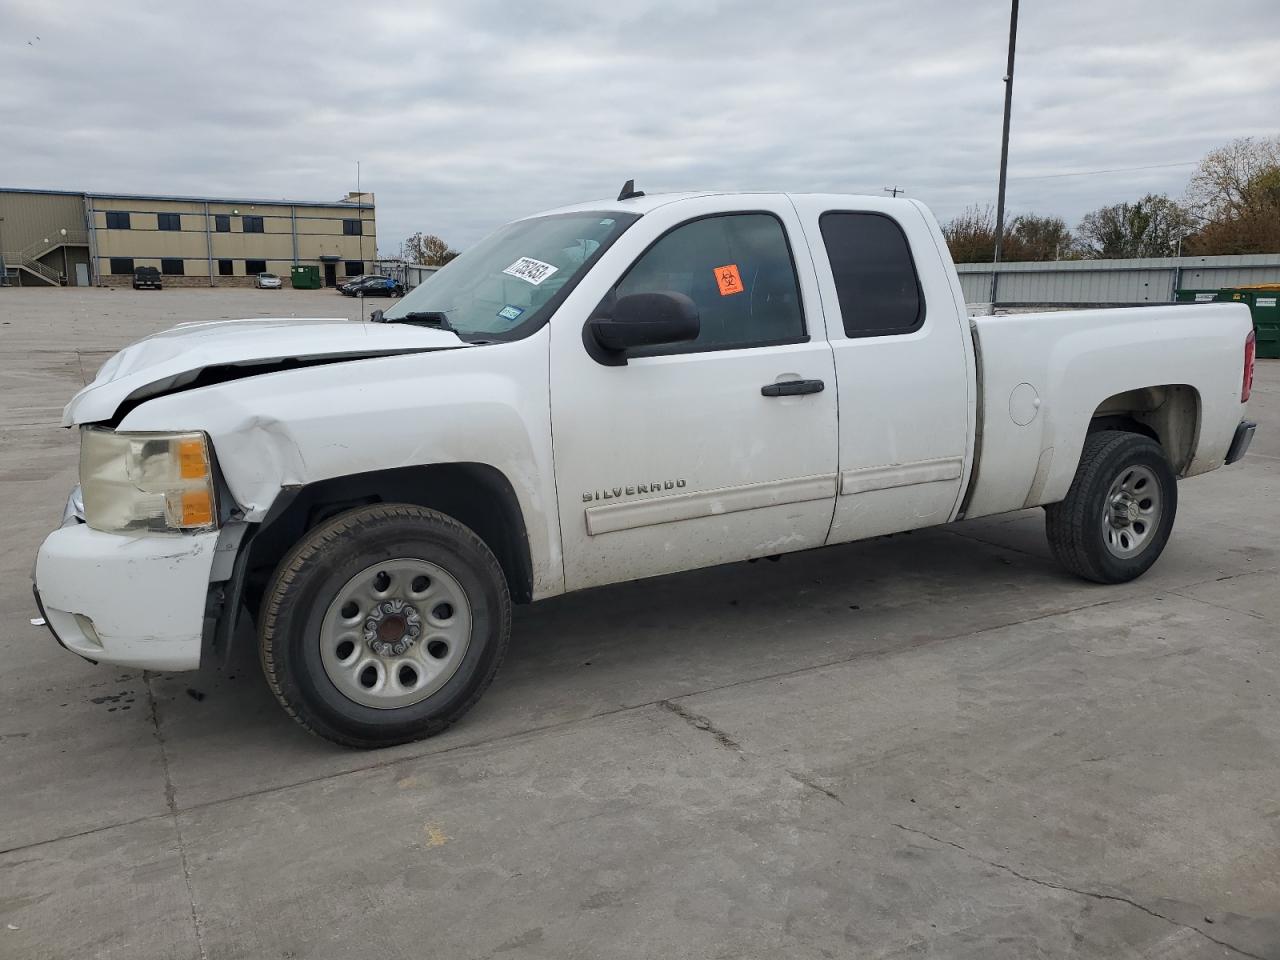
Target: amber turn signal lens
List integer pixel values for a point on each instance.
(197, 508)
(193, 464)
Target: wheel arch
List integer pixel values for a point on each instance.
(1167, 413)
(477, 495)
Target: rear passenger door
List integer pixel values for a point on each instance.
(902, 364)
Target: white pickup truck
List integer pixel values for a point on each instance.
(597, 394)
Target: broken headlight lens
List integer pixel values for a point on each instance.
(146, 482)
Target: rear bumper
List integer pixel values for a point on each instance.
(135, 601)
(1240, 442)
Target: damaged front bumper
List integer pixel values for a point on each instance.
(137, 601)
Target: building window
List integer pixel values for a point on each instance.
(875, 277)
(351, 228)
(251, 224)
(737, 269)
(118, 220)
(254, 266)
(355, 268)
(224, 268)
(222, 223)
(122, 265)
(168, 221)
(171, 266)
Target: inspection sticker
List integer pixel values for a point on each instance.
(510, 312)
(1266, 301)
(531, 270)
(728, 280)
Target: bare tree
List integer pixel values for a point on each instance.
(1153, 226)
(1233, 180)
(427, 248)
(1235, 199)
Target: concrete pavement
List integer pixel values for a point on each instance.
(935, 744)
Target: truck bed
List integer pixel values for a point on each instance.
(1044, 378)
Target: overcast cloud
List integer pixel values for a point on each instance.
(466, 114)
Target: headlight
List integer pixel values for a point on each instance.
(153, 482)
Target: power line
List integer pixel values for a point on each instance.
(1093, 173)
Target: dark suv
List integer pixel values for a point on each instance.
(146, 278)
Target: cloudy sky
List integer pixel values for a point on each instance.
(465, 114)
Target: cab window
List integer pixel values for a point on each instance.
(875, 277)
(738, 269)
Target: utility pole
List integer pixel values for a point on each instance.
(1004, 140)
(895, 190)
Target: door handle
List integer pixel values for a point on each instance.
(792, 388)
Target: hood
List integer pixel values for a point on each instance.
(228, 349)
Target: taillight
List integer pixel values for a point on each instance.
(1250, 352)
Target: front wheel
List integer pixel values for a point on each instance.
(384, 625)
(1118, 513)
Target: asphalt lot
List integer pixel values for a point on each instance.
(934, 744)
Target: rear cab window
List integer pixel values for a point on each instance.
(875, 275)
(739, 271)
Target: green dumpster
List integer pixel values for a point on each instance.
(1263, 302)
(1200, 296)
(306, 277)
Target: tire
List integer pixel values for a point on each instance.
(1118, 513)
(321, 628)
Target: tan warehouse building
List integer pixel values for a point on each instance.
(54, 237)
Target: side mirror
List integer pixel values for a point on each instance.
(647, 319)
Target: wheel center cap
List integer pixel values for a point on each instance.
(1124, 510)
(392, 627)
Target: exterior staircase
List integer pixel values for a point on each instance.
(28, 258)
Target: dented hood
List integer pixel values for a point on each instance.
(235, 348)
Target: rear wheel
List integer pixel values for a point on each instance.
(1118, 513)
(384, 625)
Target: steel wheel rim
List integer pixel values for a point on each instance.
(1132, 511)
(395, 633)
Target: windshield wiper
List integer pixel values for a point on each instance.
(426, 318)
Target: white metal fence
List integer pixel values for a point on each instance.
(1106, 282)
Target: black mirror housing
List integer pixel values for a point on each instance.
(647, 319)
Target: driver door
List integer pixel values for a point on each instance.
(689, 454)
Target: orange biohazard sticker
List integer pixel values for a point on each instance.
(727, 280)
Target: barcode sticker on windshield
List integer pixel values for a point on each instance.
(531, 270)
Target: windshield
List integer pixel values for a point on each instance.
(508, 284)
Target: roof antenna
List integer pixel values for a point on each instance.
(629, 190)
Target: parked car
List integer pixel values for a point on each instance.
(342, 287)
(267, 281)
(147, 278)
(373, 287)
(726, 377)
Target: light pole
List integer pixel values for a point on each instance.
(1004, 139)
